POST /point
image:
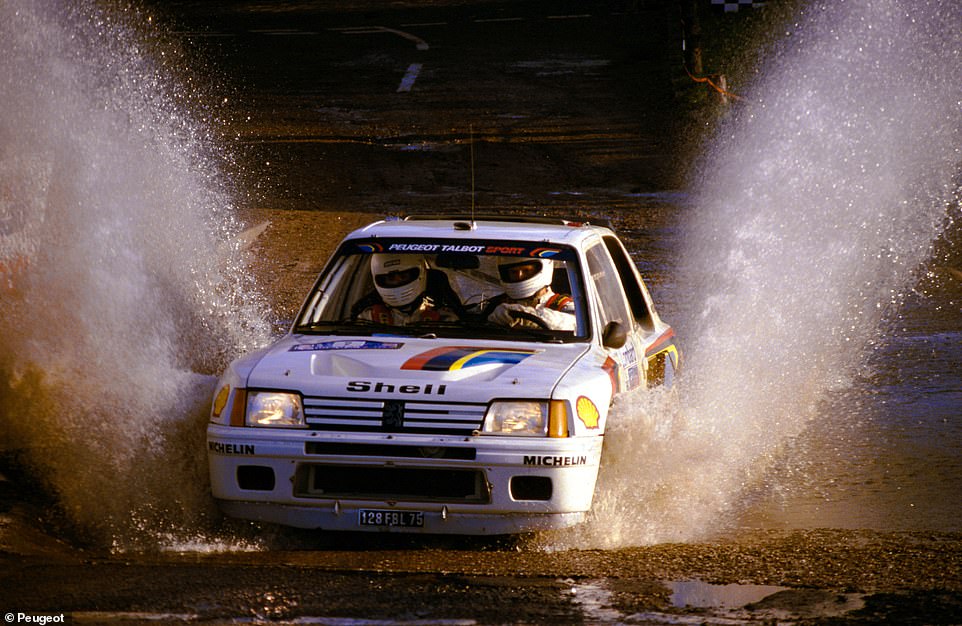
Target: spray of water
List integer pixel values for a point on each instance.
(815, 206)
(125, 294)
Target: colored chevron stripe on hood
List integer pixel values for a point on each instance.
(451, 358)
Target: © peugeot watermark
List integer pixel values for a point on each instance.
(33, 618)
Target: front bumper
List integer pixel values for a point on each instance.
(453, 485)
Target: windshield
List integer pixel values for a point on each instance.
(509, 290)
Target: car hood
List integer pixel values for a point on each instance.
(465, 371)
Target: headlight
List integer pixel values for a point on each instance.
(517, 417)
(275, 409)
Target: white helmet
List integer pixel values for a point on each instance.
(399, 278)
(523, 278)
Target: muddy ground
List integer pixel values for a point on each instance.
(567, 114)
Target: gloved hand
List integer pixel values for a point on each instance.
(503, 315)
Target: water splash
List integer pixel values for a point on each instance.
(125, 295)
(812, 213)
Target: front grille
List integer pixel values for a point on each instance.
(386, 449)
(411, 484)
(370, 415)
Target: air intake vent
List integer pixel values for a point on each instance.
(409, 484)
(368, 415)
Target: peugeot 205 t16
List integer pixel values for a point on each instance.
(444, 375)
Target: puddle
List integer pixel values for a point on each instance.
(722, 603)
(761, 602)
(697, 594)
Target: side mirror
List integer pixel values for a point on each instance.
(614, 336)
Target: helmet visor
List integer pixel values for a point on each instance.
(397, 278)
(519, 272)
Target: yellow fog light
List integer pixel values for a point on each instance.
(558, 419)
(220, 401)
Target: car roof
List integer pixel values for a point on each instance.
(522, 228)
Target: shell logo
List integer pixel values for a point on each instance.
(221, 400)
(587, 412)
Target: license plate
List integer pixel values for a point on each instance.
(403, 519)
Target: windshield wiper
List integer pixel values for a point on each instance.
(429, 330)
(522, 333)
(342, 327)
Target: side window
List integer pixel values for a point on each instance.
(629, 280)
(332, 297)
(603, 274)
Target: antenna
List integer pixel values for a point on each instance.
(471, 130)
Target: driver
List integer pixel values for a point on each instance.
(529, 301)
(401, 281)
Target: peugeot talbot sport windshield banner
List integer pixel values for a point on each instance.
(480, 247)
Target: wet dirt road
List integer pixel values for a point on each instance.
(810, 577)
(357, 110)
(804, 577)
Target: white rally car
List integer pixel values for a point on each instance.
(419, 391)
